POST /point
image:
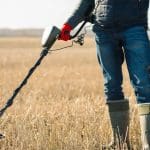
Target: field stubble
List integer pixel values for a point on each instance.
(63, 105)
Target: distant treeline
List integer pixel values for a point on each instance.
(29, 32)
(34, 32)
(21, 32)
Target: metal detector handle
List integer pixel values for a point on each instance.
(83, 24)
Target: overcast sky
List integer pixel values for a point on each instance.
(35, 13)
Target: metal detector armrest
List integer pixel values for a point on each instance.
(81, 27)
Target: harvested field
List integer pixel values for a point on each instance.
(63, 105)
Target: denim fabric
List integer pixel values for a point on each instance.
(133, 45)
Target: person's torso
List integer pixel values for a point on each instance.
(119, 13)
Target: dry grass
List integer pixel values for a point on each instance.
(63, 105)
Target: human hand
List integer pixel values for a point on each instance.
(65, 32)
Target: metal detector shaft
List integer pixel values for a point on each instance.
(17, 90)
(48, 40)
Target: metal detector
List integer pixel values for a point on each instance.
(50, 35)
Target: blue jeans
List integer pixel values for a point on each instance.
(133, 45)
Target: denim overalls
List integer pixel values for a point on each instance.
(120, 27)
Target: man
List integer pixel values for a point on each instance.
(120, 28)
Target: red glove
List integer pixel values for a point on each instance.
(65, 32)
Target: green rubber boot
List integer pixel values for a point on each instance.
(144, 112)
(119, 118)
